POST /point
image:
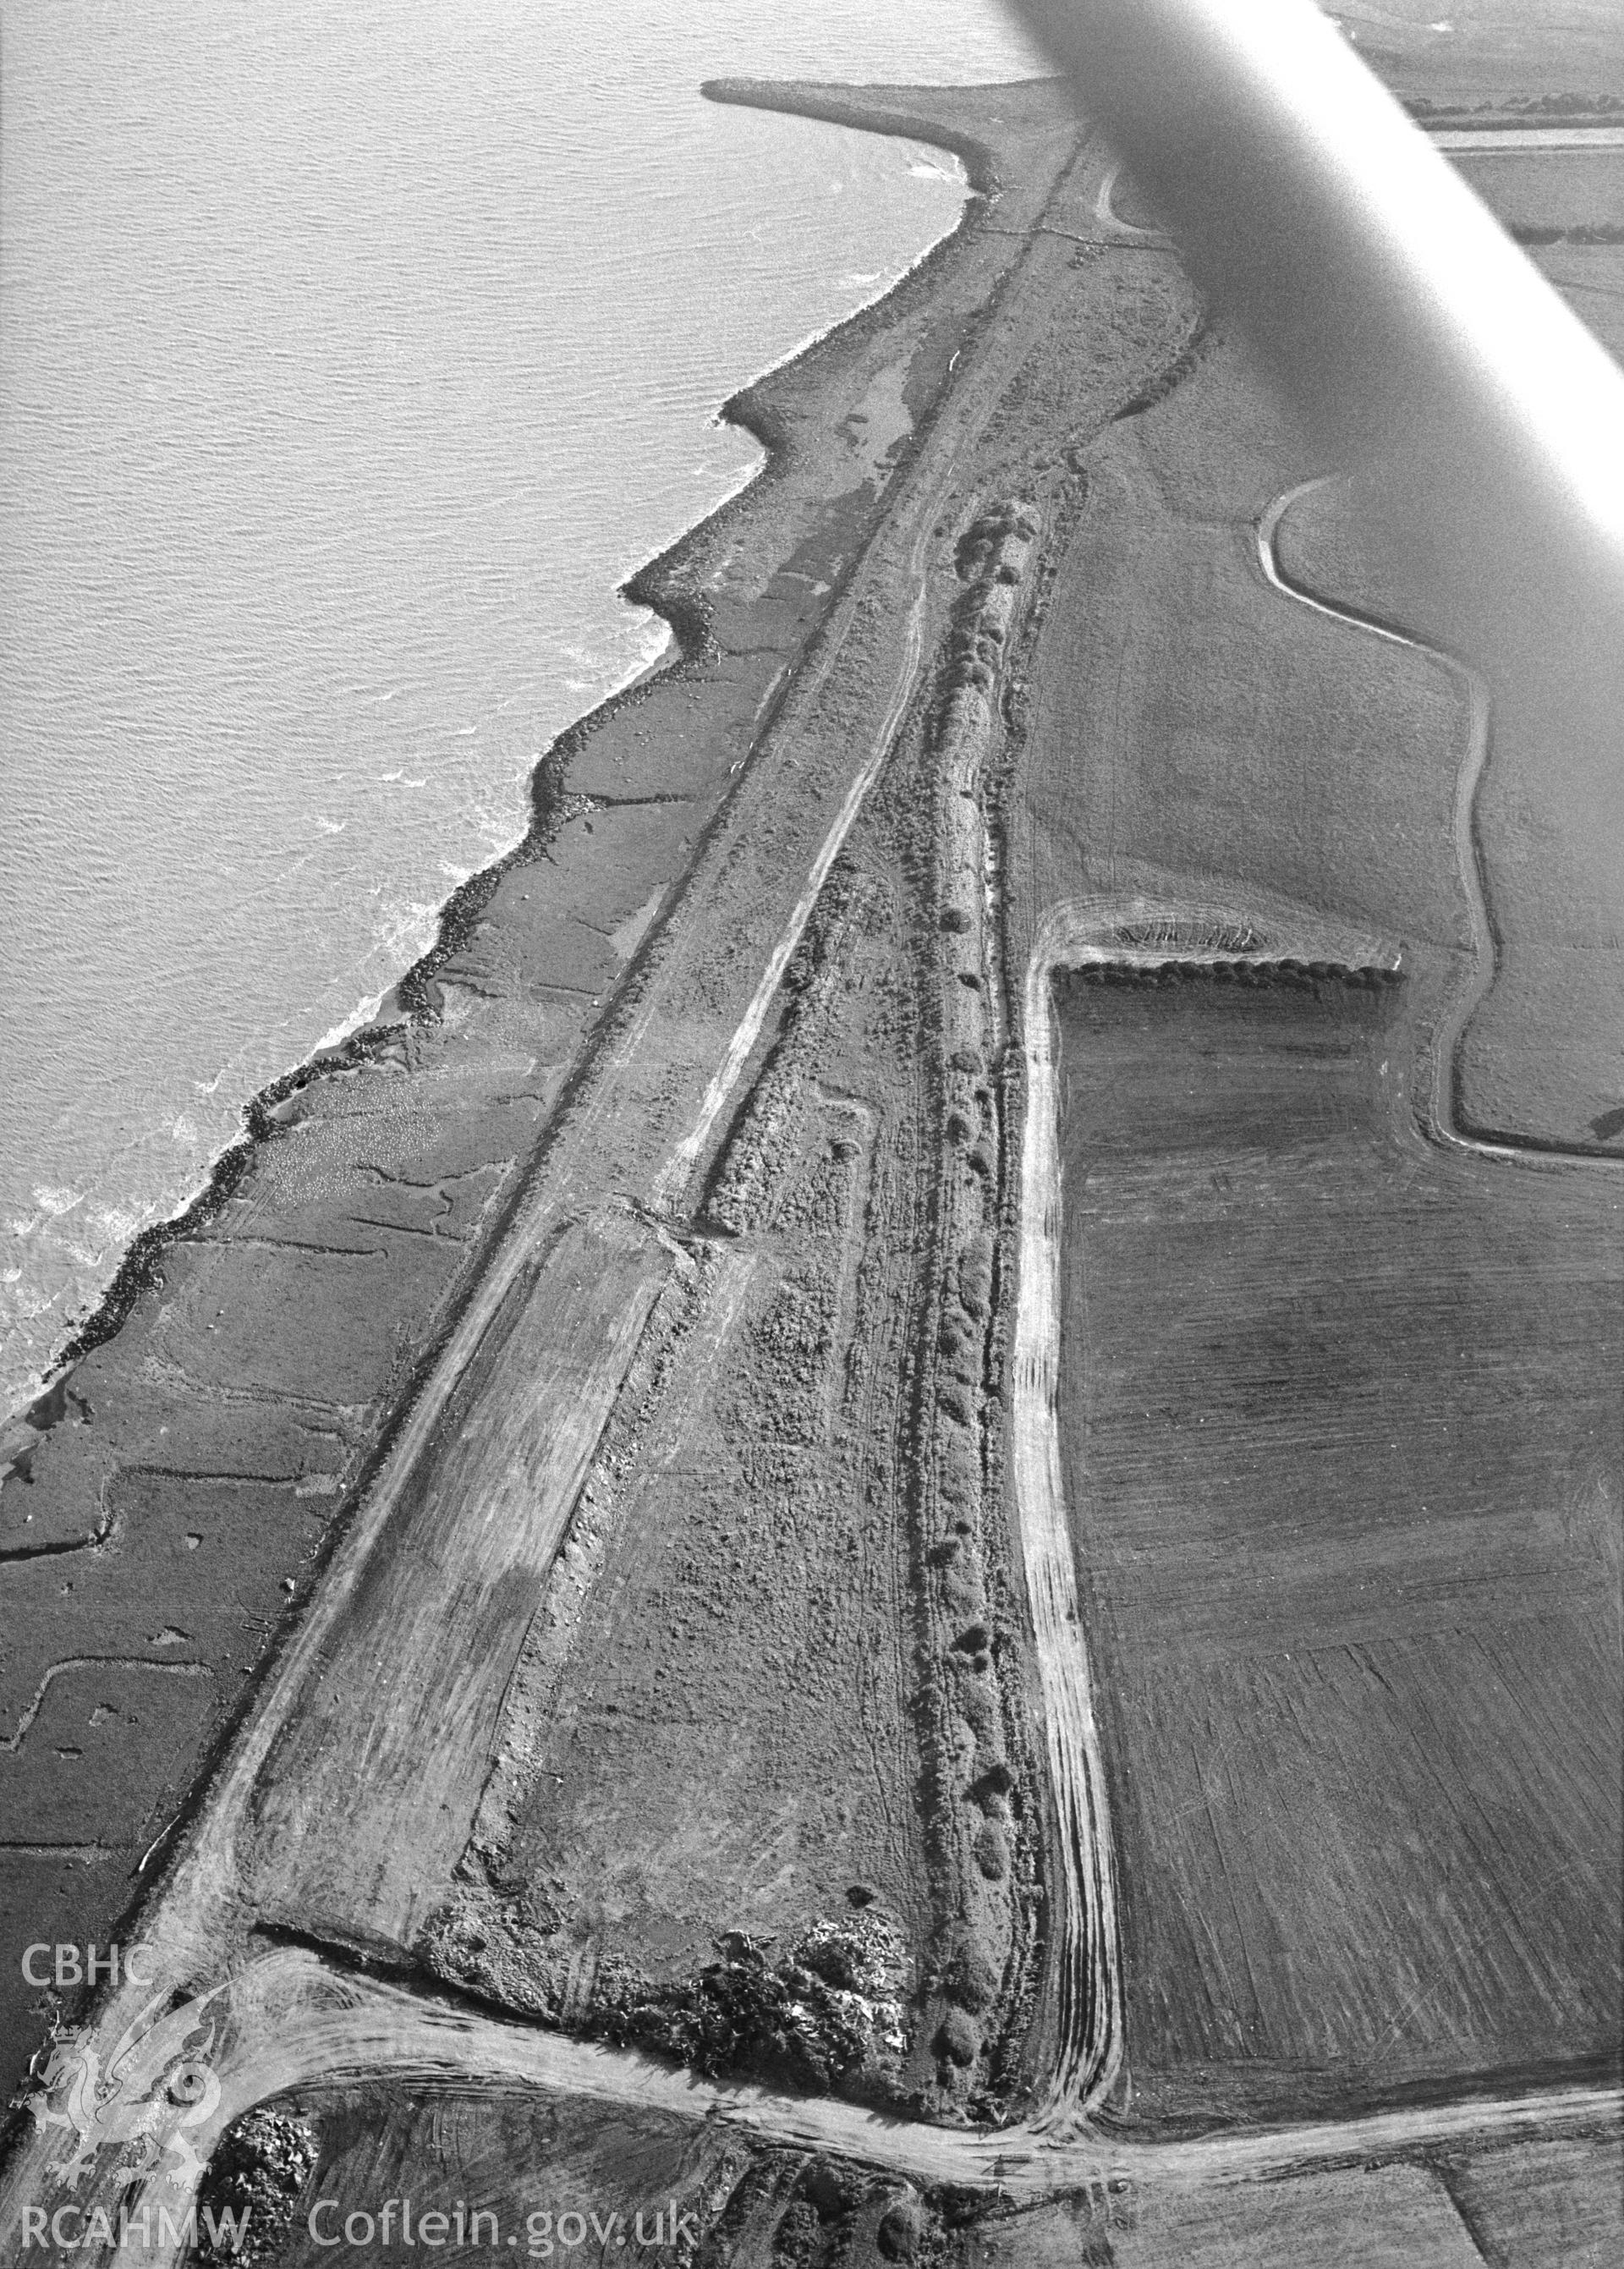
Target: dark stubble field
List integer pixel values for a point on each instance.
(1341, 1428)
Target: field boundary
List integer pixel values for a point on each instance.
(1137, 933)
(1442, 1121)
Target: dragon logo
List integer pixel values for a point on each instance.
(155, 2090)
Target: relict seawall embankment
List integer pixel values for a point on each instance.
(180, 1487)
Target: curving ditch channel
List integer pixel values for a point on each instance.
(288, 2017)
(1140, 933)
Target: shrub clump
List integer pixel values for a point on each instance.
(823, 2009)
(260, 2166)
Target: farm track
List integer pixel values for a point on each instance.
(292, 2022)
(1090, 1953)
(1492, 141)
(1091, 1995)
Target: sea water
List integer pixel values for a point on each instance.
(349, 359)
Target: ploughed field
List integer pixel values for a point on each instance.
(1342, 1433)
